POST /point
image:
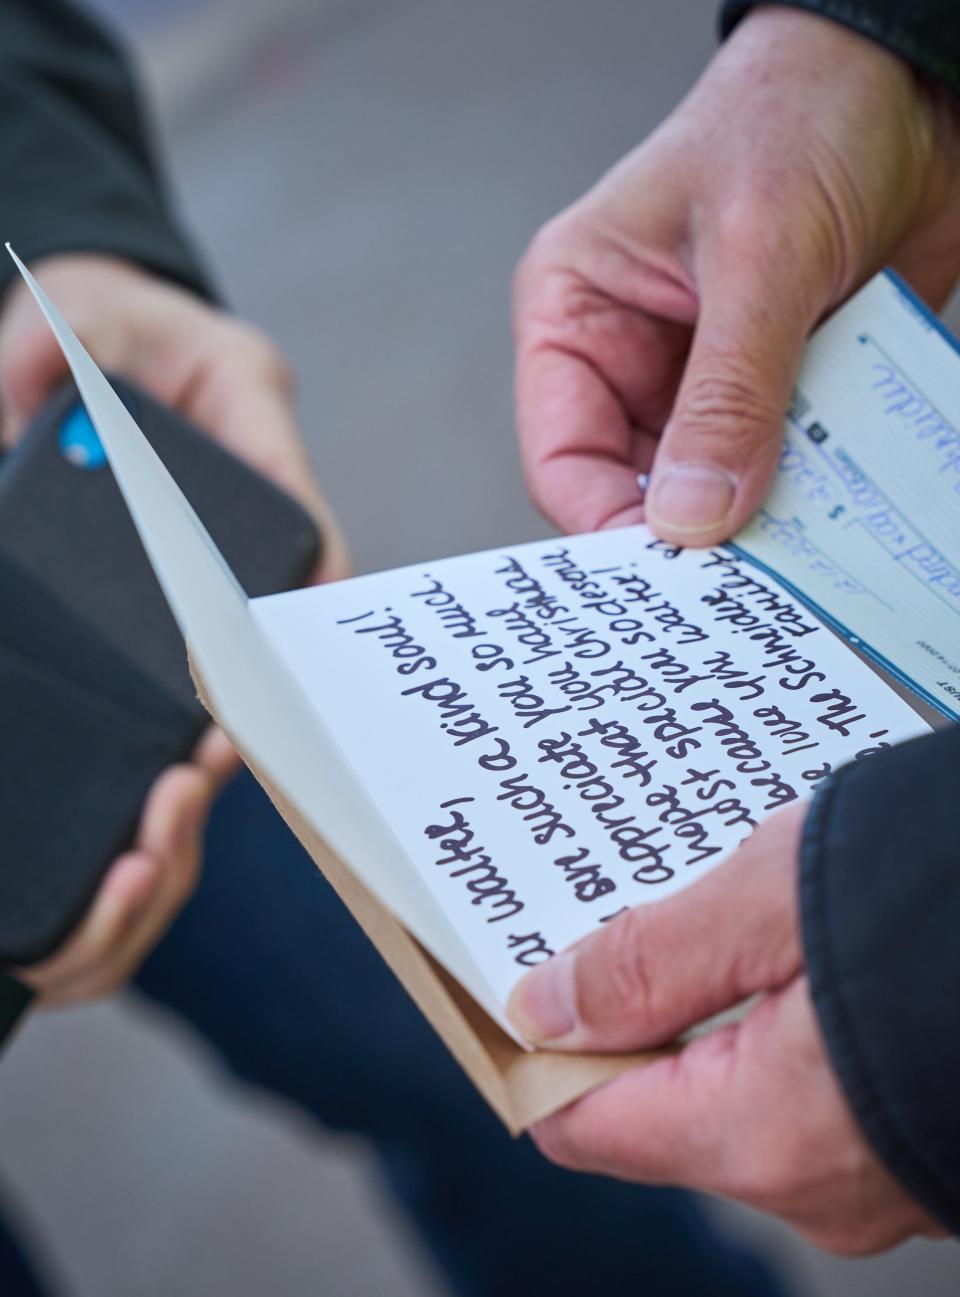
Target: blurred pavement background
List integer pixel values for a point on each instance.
(364, 175)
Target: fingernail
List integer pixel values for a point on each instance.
(692, 497)
(543, 1006)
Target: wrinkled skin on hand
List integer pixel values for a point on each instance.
(659, 326)
(750, 1110)
(660, 320)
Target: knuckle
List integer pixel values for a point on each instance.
(745, 225)
(625, 976)
(185, 882)
(759, 226)
(724, 401)
(185, 874)
(542, 248)
(553, 1138)
(546, 252)
(756, 222)
(725, 391)
(260, 353)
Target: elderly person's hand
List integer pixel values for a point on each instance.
(750, 1110)
(660, 320)
(660, 323)
(231, 381)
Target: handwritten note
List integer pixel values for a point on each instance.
(509, 748)
(862, 518)
(561, 730)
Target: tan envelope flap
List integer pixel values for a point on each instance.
(522, 1087)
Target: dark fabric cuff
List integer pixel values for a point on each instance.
(926, 34)
(880, 909)
(71, 187)
(158, 250)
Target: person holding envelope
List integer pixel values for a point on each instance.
(660, 323)
(83, 201)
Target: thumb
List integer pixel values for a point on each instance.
(659, 969)
(719, 450)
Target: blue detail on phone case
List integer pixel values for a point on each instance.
(79, 442)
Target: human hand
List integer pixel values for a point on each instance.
(230, 381)
(142, 893)
(660, 320)
(222, 373)
(750, 1110)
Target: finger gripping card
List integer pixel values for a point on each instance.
(83, 764)
(95, 695)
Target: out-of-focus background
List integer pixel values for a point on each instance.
(364, 175)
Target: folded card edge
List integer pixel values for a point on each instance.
(521, 1086)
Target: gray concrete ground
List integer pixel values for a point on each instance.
(364, 174)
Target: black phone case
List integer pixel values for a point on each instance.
(95, 695)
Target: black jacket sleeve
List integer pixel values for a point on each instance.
(880, 866)
(77, 167)
(880, 905)
(924, 32)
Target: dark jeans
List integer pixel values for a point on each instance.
(269, 967)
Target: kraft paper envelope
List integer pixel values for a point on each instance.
(521, 1086)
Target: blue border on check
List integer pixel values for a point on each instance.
(919, 307)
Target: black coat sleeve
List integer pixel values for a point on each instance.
(77, 165)
(924, 32)
(880, 866)
(880, 905)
